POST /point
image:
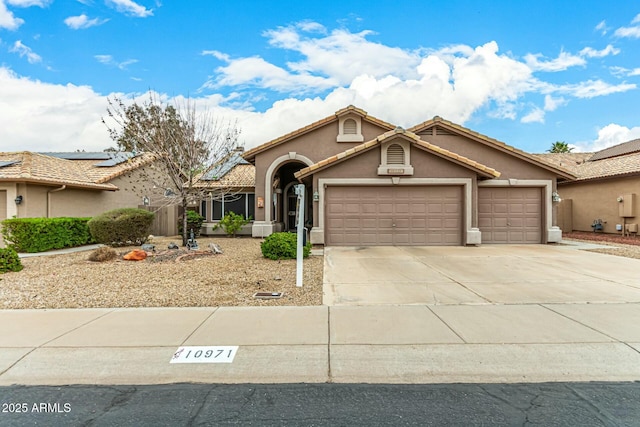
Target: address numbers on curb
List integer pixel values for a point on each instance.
(205, 354)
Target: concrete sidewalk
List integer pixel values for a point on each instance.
(344, 344)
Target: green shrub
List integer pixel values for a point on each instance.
(120, 227)
(9, 260)
(194, 222)
(44, 234)
(232, 222)
(282, 246)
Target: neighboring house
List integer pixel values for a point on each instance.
(230, 188)
(605, 192)
(369, 182)
(75, 184)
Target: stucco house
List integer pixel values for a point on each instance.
(604, 197)
(75, 184)
(369, 182)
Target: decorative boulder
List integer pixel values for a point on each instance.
(215, 248)
(147, 247)
(172, 246)
(135, 255)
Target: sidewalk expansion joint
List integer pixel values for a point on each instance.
(199, 326)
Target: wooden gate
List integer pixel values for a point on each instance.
(165, 220)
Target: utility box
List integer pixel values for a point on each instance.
(627, 206)
(632, 228)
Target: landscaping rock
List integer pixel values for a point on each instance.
(147, 247)
(172, 245)
(215, 248)
(135, 255)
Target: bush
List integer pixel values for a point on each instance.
(102, 254)
(282, 246)
(194, 222)
(9, 260)
(43, 234)
(231, 223)
(120, 227)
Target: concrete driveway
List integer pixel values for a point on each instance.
(488, 274)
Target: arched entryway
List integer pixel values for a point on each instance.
(284, 199)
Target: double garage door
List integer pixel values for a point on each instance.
(393, 215)
(429, 215)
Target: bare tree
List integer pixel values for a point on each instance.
(187, 142)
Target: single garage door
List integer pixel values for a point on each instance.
(510, 215)
(393, 215)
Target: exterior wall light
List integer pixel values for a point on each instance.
(18, 200)
(555, 197)
(316, 196)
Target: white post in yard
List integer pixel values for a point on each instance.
(300, 216)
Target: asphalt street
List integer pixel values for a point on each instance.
(548, 404)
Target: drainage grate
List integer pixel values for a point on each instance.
(268, 295)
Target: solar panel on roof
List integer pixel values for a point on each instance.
(80, 155)
(8, 163)
(116, 159)
(224, 168)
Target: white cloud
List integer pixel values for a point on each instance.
(535, 116)
(609, 135)
(593, 88)
(129, 7)
(7, 20)
(258, 72)
(602, 27)
(632, 32)
(109, 60)
(561, 63)
(49, 117)
(552, 104)
(81, 22)
(341, 54)
(593, 53)
(24, 50)
(29, 3)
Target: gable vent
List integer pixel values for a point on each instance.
(350, 127)
(441, 131)
(395, 155)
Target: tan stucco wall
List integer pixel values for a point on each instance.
(426, 165)
(508, 165)
(597, 200)
(316, 145)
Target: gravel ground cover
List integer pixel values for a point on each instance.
(626, 246)
(166, 279)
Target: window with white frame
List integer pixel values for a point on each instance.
(241, 204)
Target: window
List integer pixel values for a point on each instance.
(203, 209)
(241, 204)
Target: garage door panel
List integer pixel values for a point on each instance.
(422, 215)
(510, 215)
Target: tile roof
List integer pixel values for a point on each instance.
(586, 169)
(39, 168)
(439, 121)
(628, 147)
(441, 152)
(240, 176)
(250, 154)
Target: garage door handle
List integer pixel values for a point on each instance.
(393, 225)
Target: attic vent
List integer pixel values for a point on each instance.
(395, 155)
(350, 127)
(441, 131)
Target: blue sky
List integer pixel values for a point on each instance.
(526, 73)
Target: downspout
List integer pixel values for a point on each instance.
(49, 198)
